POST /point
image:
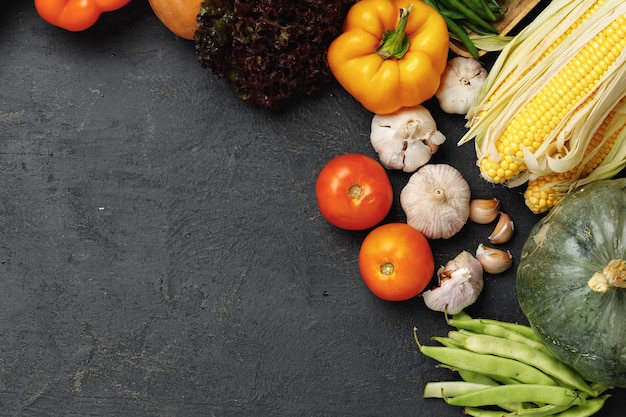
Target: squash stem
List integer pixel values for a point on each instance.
(395, 43)
(612, 276)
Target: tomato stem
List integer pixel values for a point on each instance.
(386, 268)
(395, 43)
(355, 191)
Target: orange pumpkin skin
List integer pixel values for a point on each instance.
(179, 16)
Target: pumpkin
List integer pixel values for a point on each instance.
(179, 16)
(571, 280)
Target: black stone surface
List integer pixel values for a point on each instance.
(161, 250)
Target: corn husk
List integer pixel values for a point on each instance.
(488, 43)
(614, 162)
(517, 77)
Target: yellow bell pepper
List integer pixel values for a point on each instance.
(391, 54)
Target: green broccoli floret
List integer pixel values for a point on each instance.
(269, 50)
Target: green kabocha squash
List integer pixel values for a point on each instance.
(571, 280)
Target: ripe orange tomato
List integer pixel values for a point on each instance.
(354, 192)
(396, 262)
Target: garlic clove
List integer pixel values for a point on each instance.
(484, 211)
(460, 284)
(494, 261)
(435, 201)
(503, 231)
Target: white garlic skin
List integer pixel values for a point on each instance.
(435, 201)
(461, 82)
(460, 284)
(406, 139)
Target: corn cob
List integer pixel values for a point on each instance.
(549, 74)
(544, 192)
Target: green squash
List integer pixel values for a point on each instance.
(571, 281)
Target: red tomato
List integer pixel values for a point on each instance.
(396, 262)
(354, 192)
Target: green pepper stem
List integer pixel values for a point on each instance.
(395, 43)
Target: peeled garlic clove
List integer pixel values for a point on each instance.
(493, 261)
(436, 201)
(484, 211)
(503, 231)
(460, 284)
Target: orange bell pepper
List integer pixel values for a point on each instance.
(75, 15)
(391, 54)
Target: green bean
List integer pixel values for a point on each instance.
(550, 410)
(480, 412)
(516, 327)
(449, 13)
(449, 342)
(493, 329)
(548, 394)
(458, 335)
(445, 389)
(462, 35)
(471, 379)
(481, 8)
(470, 14)
(476, 377)
(543, 411)
(474, 27)
(452, 14)
(495, 6)
(461, 315)
(587, 409)
(505, 380)
(491, 345)
(487, 364)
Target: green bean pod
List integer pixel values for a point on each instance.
(481, 8)
(463, 36)
(445, 389)
(587, 409)
(548, 394)
(481, 412)
(516, 327)
(470, 14)
(476, 377)
(491, 345)
(469, 25)
(479, 326)
(487, 364)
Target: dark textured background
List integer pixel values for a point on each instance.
(161, 251)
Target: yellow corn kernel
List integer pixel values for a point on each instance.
(548, 51)
(543, 193)
(529, 126)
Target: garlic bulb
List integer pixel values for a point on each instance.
(460, 284)
(461, 82)
(405, 139)
(436, 201)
